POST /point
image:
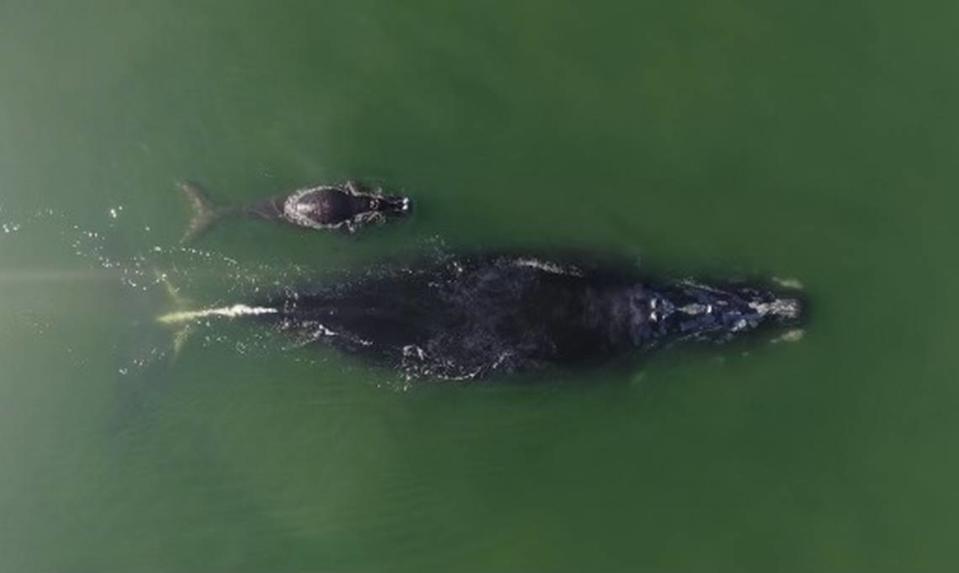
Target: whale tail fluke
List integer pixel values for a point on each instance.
(184, 315)
(205, 213)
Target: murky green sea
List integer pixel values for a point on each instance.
(815, 140)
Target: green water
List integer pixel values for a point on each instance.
(816, 140)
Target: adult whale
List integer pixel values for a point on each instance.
(349, 207)
(473, 316)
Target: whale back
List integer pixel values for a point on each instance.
(468, 317)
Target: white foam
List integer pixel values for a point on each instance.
(548, 267)
(235, 311)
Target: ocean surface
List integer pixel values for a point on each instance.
(809, 140)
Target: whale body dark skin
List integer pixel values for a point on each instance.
(472, 317)
(349, 207)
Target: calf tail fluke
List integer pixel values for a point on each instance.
(205, 213)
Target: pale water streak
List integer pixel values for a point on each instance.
(233, 311)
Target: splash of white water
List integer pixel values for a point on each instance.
(237, 310)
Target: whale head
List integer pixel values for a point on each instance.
(690, 310)
(375, 207)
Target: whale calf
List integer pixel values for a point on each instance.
(348, 206)
(471, 317)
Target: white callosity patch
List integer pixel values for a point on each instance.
(783, 307)
(696, 308)
(235, 311)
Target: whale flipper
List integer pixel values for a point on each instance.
(205, 213)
